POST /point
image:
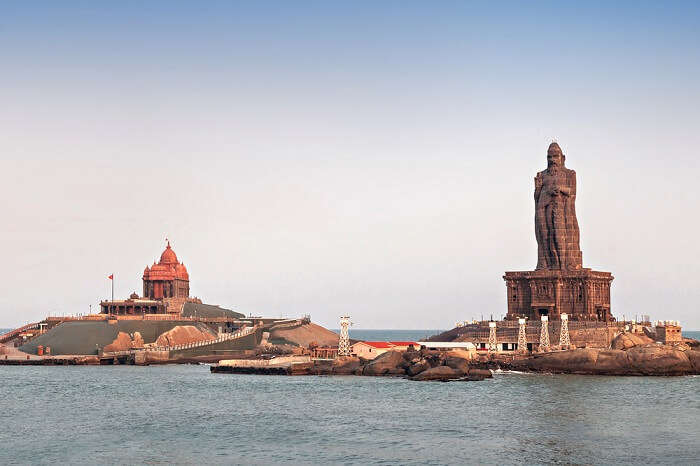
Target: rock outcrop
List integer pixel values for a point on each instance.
(660, 360)
(457, 363)
(389, 363)
(417, 367)
(444, 373)
(629, 340)
(480, 373)
(638, 360)
(694, 358)
(125, 342)
(183, 334)
(425, 365)
(347, 365)
(692, 343)
(121, 343)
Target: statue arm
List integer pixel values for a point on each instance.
(538, 187)
(571, 188)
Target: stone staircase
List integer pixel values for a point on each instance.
(14, 333)
(174, 305)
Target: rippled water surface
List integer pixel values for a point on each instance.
(185, 414)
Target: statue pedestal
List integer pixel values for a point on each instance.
(583, 294)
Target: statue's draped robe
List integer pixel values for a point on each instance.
(556, 227)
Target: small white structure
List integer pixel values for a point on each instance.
(522, 336)
(371, 349)
(344, 341)
(493, 343)
(564, 341)
(544, 334)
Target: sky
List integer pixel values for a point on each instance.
(324, 158)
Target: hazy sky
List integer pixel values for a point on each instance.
(370, 158)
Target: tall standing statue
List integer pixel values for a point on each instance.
(560, 285)
(556, 227)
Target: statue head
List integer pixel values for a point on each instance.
(555, 157)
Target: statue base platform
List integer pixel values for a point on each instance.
(583, 294)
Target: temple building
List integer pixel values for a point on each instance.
(133, 306)
(166, 279)
(166, 289)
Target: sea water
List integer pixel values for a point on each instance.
(183, 414)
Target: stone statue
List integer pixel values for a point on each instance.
(556, 227)
(560, 285)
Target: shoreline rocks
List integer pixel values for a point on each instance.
(644, 360)
(639, 358)
(346, 365)
(389, 363)
(421, 365)
(439, 373)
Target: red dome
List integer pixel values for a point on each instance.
(162, 272)
(181, 272)
(166, 279)
(168, 256)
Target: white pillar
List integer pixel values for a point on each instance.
(522, 337)
(544, 334)
(344, 342)
(564, 341)
(493, 344)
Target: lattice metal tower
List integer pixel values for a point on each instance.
(564, 341)
(493, 344)
(522, 337)
(544, 334)
(344, 342)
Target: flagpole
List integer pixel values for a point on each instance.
(112, 289)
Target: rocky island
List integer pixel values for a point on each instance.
(558, 320)
(631, 355)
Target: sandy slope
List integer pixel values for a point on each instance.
(306, 334)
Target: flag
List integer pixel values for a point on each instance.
(111, 277)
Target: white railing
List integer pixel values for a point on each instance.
(13, 333)
(178, 317)
(291, 323)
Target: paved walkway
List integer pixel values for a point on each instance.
(14, 354)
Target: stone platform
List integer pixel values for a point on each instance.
(583, 294)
